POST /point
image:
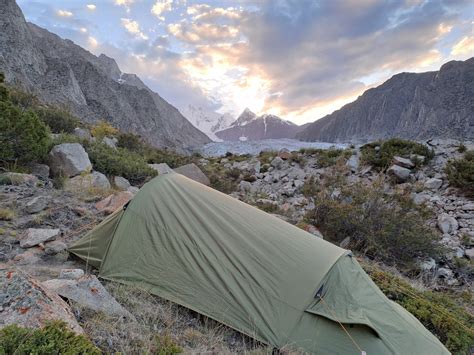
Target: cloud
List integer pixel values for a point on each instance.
(91, 7)
(92, 42)
(134, 28)
(124, 2)
(160, 7)
(204, 12)
(202, 32)
(464, 47)
(64, 13)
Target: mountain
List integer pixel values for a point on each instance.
(249, 126)
(409, 105)
(207, 121)
(60, 72)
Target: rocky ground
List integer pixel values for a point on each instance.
(40, 217)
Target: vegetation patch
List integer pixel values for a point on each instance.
(58, 120)
(380, 154)
(452, 323)
(103, 129)
(390, 228)
(461, 173)
(6, 214)
(53, 338)
(327, 157)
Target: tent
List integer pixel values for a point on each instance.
(266, 278)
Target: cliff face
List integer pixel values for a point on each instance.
(409, 105)
(92, 87)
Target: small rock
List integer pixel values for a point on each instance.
(284, 154)
(403, 162)
(110, 142)
(54, 247)
(95, 180)
(245, 186)
(420, 198)
(400, 174)
(113, 202)
(469, 254)
(447, 224)
(71, 274)
(433, 184)
(69, 159)
(444, 273)
(428, 265)
(468, 207)
(40, 170)
(133, 189)
(417, 157)
(161, 168)
(88, 292)
(193, 172)
(35, 236)
(82, 133)
(276, 162)
(26, 303)
(37, 204)
(121, 183)
(353, 162)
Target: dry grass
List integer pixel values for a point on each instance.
(161, 327)
(6, 214)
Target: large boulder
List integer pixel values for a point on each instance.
(113, 202)
(95, 180)
(161, 168)
(69, 159)
(26, 303)
(35, 236)
(88, 292)
(193, 172)
(399, 173)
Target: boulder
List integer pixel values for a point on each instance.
(161, 168)
(82, 133)
(468, 207)
(420, 198)
(403, 162)
(94, 180)
(245, 186)
(399, 173)
(26, 303)
(433, 184)
(133, 189)
(353, 161)
(54, 247)
(276, 162)
(447, 224)
(113, 202)
(193, 172)
(40, 170)
(35, 236)
(110, 142)
(88, 292)
(121, 183)
(284, 154)
(37, 204)
(20, 179)
(470, 253)
(69, 159)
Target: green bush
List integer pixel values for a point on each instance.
(53, 338)
(327, 157)
(132, 142)
(120, 162)
(461, 173)
(438, 312)
(103, 129)
(59, 121)
(381, 159)
(384, 227)
(24, 100)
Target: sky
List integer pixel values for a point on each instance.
(299, 59)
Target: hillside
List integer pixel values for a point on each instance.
(409, 105)
(249, 126)
(60, 72)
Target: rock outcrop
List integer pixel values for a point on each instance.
(409, 105)
(62, 73)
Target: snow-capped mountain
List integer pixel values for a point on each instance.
(249, 126)
(206, 121)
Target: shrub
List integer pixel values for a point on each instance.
(461, 173)
(103, 129)
(6, 214)
(385, 227)
(119, 162)
(131, 142)
(53, 338)
(24, 100)
(438, 312)
(59, 121)
(327, 157)
(381, 158)
(310, 187)
(462, 148)
(173, 159)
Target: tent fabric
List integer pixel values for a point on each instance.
(247, 269)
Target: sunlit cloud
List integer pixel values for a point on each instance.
(160, 7)
(91, 7)
(64, 13)
(134, 28)
(83, 30)
(202, 32)
(464, 47)
(92, 42)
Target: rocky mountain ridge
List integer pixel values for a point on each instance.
(249, 126)
(207, 121)
(61, 73)
(409, 105)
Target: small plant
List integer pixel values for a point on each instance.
(53, 338)
(103, 129)
(461, 173)
(165, 345)
(233, 173)
(310, 187)
(59, 181)
(5, 180)
(6, 214)
(267, 207)
(59, 121)
(380, 154)
(462, 148)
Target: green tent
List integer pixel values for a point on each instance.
(222, 258)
